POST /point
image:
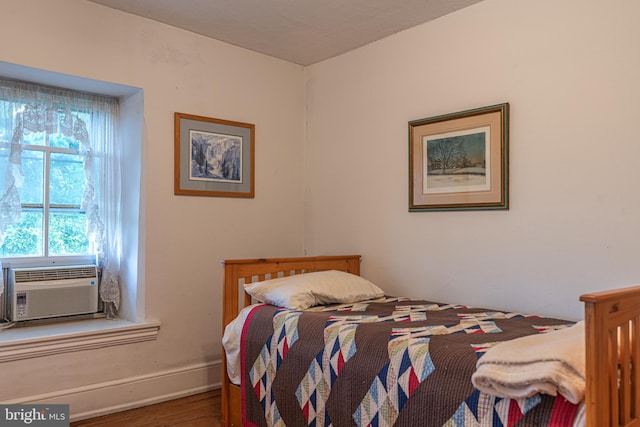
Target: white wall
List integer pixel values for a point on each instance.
(186, 237)
(570, 71)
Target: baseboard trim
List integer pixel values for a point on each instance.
(128, 393)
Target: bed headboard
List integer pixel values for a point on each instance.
(238, 272)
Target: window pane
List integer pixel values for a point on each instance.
(25, 237)
(33, 138)
(61, 141)
(66, 179)
(32, 190)
(67, 233)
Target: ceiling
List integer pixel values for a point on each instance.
(299, 31)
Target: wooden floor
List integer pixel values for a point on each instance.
(200, 410)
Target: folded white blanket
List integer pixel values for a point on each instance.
(551, 363)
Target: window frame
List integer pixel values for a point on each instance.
(46, 207)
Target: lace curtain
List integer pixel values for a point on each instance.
(35, 108)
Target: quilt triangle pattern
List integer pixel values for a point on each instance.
(481, 409)
(339, 346)
(264, 368)
(409, 365)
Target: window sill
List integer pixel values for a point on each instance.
(51, 339)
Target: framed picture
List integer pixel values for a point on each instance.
(213, 157)
(460, 161)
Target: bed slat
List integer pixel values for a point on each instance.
(635, 370)
(626, 410)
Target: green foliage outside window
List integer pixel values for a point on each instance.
(25, 237)
(66, 222)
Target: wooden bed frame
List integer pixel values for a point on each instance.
(612, 322)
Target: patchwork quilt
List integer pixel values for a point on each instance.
(389, 362)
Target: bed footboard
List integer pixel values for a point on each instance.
(612, 322)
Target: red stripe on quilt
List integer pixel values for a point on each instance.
(563, 412)
(341, 362)
(285, 348)
(243, 365)
(414, 382)
(515, 413)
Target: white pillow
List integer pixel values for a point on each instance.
(301, 291)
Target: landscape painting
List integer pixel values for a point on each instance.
(215, 157)
(460, 161)
(456, 161)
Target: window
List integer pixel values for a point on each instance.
(52, 221)
(124, 258)
(60, 178)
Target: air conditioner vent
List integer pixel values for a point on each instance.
(54, 273)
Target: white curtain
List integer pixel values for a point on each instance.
(58, 111)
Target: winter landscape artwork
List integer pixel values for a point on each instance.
(213, 157)
(459, 161)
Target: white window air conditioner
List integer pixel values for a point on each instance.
(43, 292)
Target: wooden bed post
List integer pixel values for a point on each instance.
(230, 310)
(612, 323)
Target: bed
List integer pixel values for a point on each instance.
(611, 394)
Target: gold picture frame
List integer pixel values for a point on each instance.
(213, 157)
(460, 161)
